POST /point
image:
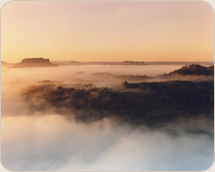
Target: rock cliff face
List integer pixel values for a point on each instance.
(132, 63)
(194, 70)
(33, 62)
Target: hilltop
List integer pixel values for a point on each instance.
(193, 69)
(132, 63)
(33, 62)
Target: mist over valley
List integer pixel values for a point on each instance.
(84, 117)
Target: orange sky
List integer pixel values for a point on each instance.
(107, 31)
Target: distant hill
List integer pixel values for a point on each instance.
(66, 62)
(178, 63)
(193, 70)
(33, 62)
(74, 63)
(3, 63)
(132, 63)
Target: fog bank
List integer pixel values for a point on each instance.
(47, 140)
(52, 142)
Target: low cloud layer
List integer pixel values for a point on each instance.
(47, 140)
(54, 143)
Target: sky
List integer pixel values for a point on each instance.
(107, 31)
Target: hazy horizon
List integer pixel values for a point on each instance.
(103, 61)
(113, 30)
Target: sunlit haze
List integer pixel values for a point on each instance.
(107, 31)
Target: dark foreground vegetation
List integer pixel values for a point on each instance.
(139, 103)
(154, 102)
